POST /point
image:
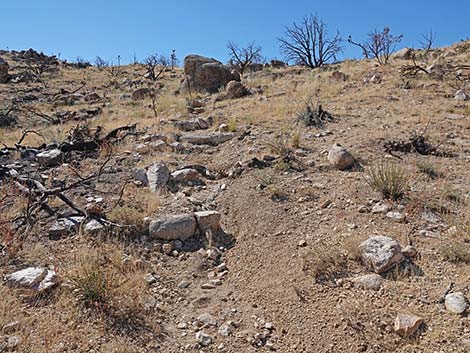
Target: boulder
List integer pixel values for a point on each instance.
(50, 158)
(208, 220)
(340, 158)
(157, 176)
(205, 74)
(236, 89)
(456, 303)
(141, 93)
(381, 253)
(213, 139)
(185, 175)
(407, 324)
(179, 227)
(4, 71)
(194, 124)
(36, 278)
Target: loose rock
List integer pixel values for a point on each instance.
(380, 253)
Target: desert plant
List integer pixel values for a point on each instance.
(389, 179)
(243, 57)
(427, 168)
(312, 114)
(100, 63)
(295, 139)
(379, 45)
(456, 252)
(93, 285)
(324, 261)
(308, 44)
(232, 125)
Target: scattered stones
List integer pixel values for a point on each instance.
(407, 324)
(64, 226)
(176, 227)
(340, 158)
(371, 281)
(50, 158)
(157, 176)
(203, 338)
(36, 278)
(381, 253)
(456, 303)
(213, 139)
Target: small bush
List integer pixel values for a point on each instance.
(295, 139)
(324, 261)
(232, 125)
(93, 285)
(388, 179)
(456, 253)
(311, 114)
(427, 168)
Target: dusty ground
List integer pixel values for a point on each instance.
(277, 220)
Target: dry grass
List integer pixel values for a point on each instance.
(388, 179)
(456, 252)
(324, 261)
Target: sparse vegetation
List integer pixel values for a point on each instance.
(427, 168)
(456, 252)
(324, 261)
(388, 178)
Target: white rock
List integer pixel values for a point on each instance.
(50, 158)
(380, 253)
(36, 278)
(380, 208)
(456, 303)
(157, 176)
(208, 220)
(179, 227)
(185, 175)
(396, 216)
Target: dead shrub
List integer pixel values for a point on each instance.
(456, 252)
(324, 261)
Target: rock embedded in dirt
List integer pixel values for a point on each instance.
(381, 253)
(36, 278)
(462, 95)
(203, 339)
(407, 324)
(380, 208)
(64, 226)
(236, 89)
(208, 220)
(179, 227)
(371, 281)
(396, 216)
(205, 74)
(50, 158)
(340, 158)
(456, 303)
(213, 139)
(206, 319)
(193, 124)
(157, 176)
(409, 251)
(185, 175)
(4, 76)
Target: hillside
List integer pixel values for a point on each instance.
(87, 198)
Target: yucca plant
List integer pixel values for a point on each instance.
(389, 179)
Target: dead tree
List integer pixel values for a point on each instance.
(427, 41)
(379, 45)
(155, 65)
(308, 44)
(243, 57)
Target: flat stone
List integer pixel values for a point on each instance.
(185, 175)
(179, 227)
(50, 158)
(371, 281)
(396, 216)
(407, 324)
(207, 319)
(213, 139)
(456, 303)
(380, 208)
(37, 278)
(381, 253)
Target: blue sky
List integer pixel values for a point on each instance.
(88, 28)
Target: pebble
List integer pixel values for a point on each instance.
(456, 303)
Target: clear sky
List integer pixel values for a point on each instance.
(88, 28)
